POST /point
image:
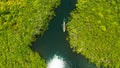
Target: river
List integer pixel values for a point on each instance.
(53, 42)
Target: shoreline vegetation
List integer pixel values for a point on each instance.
(20, 21)
(94, 31)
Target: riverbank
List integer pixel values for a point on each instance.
(20, 21)
(53, 42)
(94, 32)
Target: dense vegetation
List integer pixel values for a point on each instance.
(94, 31)
(20, 21)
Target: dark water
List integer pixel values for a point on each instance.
(54, 39)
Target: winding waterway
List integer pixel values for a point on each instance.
(53, 42)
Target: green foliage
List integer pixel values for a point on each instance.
(103, 28)
(94, 31)
(20, 21)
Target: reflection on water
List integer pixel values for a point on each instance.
(56, 62)
(54, 42)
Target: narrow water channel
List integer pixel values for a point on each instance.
(53, 42)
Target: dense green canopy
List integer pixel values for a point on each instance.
(20, 21)
(94, 31)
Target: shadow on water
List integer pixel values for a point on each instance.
(54, 39)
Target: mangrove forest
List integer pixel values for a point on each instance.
(20, 22)
(94, 31)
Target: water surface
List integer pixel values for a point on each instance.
(53, 42)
